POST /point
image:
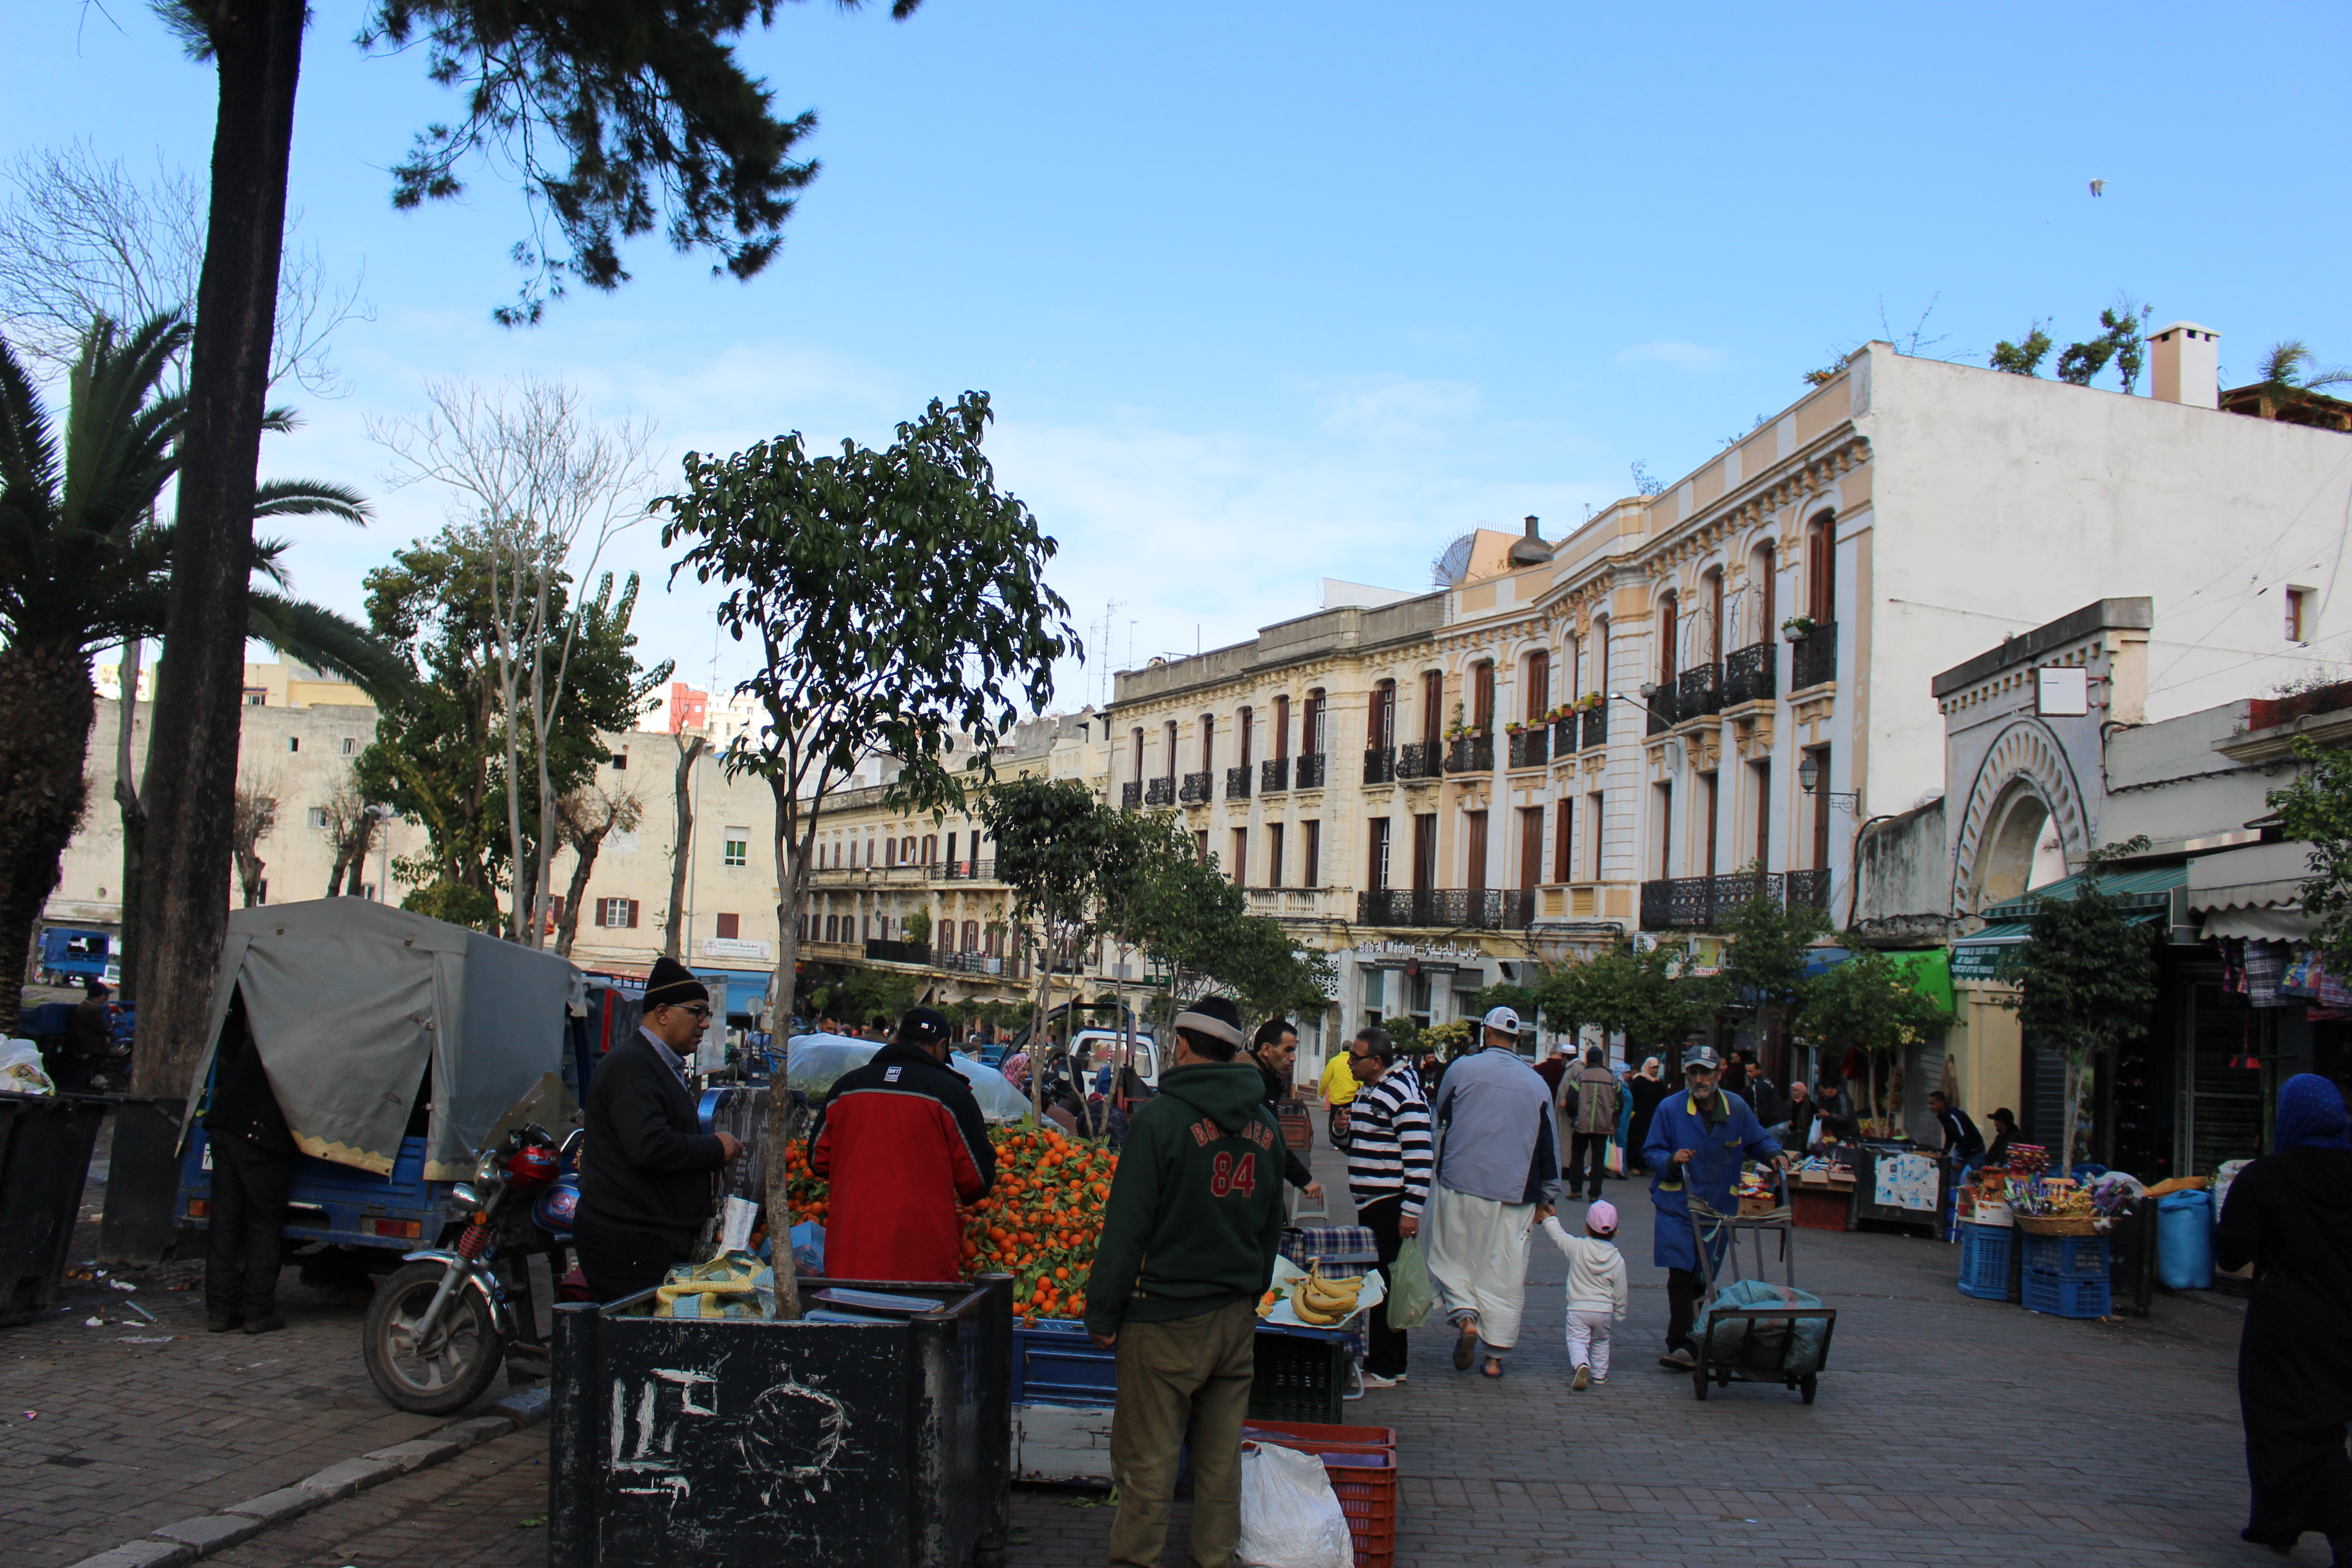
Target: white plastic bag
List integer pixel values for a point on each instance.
(1290, 1516)
(21, 1071)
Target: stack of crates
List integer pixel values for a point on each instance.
(2067, 1276)
(1361, 1463)
(1985, 1253)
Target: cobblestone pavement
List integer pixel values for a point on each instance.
(1947, 1431)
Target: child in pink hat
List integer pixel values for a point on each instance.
(1596, 1289)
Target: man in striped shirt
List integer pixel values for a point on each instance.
(1388, 1161)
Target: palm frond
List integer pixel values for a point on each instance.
(309, 497)
(28, 450)
(2282, 361)
(313, 634)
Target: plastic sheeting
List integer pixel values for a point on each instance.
(818, 1061)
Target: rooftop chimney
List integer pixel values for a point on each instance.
(1531, 551)
(2185, 360)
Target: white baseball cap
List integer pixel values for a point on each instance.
(1504, 1019)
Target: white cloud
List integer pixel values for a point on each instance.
(1696, 358)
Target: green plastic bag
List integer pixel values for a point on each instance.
(1411, 1295)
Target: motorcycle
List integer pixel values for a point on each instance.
(444, 1322)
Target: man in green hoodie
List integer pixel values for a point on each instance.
(1188, 1245)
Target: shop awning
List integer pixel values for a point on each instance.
(2148, 889)
(1927, 970)
(2256, 892)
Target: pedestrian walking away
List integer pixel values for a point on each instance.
(1596, 1291)
(252, 1167)
(1697, 1141)
(2289, 1214)
(1275, 1047)
(1496, 1166)
(1595, 1088)
(645, 1187)
(902, 1141)
(1188, 1246)
(1388, 1160)
(1648, 1091)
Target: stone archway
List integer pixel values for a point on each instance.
(2025, 791)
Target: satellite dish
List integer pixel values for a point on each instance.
(1452, 566)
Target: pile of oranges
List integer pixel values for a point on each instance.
(1039, 1223)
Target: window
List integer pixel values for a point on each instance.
(1563, 849)
(1310, 734)
(1601, 641)
(1383, 715)
(1711, 585)
(1242, 737)
(1208, 742)
(1765, 567)
(1819, 755)
(1424, 852)
(889, 852)
(1669, 626)
(1474, 873)
(293, 743)
(620, 759)
(1482, 695)
(970, 935)
(351, 746)
(1432, 709)
(1821, 568)
(1376, 871)
(1530, 846)
(1274, 855)
(1706, 788)
(1311, 872)
(870, 853)
(318, 815)
(1593, 820)
(907, 851)
(2298, 604)
(1170, 730)
(1200, 846)
(952, 837)
(1539, 688)
(930, 849)
(730, 927)
(1241, 858)
(1138, 759)
(617, 914)
(257, 697)
(1761, 777)
(1665, 798)
(1282, 726)
(737, 846)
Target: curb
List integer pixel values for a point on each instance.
(186, 1539)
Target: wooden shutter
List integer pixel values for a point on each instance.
(632, 914)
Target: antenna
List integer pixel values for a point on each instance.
(1102, 678)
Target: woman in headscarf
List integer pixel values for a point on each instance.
(1648, 1091)
(2289, 1214)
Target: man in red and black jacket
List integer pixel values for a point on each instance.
(902, 1142)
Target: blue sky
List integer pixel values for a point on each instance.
(1268, 292)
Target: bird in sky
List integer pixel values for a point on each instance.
(2098, 187)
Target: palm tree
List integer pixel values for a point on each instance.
(2291, 372)
(84, 565)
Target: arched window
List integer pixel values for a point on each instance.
(1539, 687)
(1310, 729)
(1383, 715)
(1764, 566)
(1282, 726)
(1711, 586)
(1821, 568)
(1482, 695)
(1669, 628)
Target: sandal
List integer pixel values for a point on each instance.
(1493, 1368)
(1463, 1348)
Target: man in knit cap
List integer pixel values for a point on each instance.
(645, 1185)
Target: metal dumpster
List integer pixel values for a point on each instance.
(686, 1443)
(44, 1145)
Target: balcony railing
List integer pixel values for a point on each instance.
(1449, 909)
(882, 952)
(1809, 887)
(1699, 692)
(1312, 767)
(1420, 761)
(1748, 675)
(1273, 775)
(1563, 736)
(1130, 795)
(1703, 903)
(1196, 789)
(1530, 748)
(1813, 659)
(969, 871)
(1379, 765)
(971, 963)
(1471, 754)
(1661, 710)
(1596, 726)
(1160, 792)
(1237, 782)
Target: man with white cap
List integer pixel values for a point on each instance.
(1697, 1141)
(1497, 1175)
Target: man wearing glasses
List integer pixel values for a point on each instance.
(645, 1176)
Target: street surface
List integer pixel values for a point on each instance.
(1947, 1431)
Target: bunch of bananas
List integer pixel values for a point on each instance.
(1320, 1302)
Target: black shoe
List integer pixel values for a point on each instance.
(223, 1325)
(268, 1325)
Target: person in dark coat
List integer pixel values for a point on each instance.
(1962, 1142)
(645, 1183)
(252, 1167)
(1274, 1049)
(2004, 1133)
(2289, 1214)
(1647, 1088)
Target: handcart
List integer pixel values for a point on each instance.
(1746, 1341)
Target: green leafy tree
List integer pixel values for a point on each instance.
(83, 566)
(2085, 978)
(1652, 997)
(2023, 357)
(1869, 1004)
(2119, 340)
(1763, 966)
(1051, 837)
(2316, 808)
(895, 598)
(617, 116)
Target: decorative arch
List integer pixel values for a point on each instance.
(2025, 784)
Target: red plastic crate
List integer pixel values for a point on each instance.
(1366, 1490)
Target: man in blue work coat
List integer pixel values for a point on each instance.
(1697, 1141)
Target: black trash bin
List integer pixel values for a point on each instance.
(142, 1222)
(44, 1145)
(678, 1443)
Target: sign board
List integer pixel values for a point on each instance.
(732, 947)
(1372, 952)
(2062, 691)
(1980, 962)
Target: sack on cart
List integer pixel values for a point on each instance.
(1764, 1345)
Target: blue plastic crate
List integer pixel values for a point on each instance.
(2067, 1257)
(2066, 1298)
(1057, 1363)
(1985, 1252)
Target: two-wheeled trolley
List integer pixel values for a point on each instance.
(1749, 1330)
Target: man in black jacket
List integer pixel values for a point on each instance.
(252, 1166)
(644, 1178)
(1274, 1049)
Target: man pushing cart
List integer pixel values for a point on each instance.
(1699, 1139)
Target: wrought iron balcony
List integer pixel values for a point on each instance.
(1311, 768)
(971, 963)
(1448, 908)
(1420, 761)
(1160, 792)
(1379, 765)
(1273, 775)
(1471, 754)
(1530, 748)
(1237, 782)
(1661, 710)
(1748, 675)
(970, 872)
(1596, 726)
(882, 952)
(1563, 736)
(1703, 903)
(1196, 789)
(1812, 660)
(1809, 887)
(1130, 795)
(1699, 692)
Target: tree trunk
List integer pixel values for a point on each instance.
(683, 842)
(134, 821)
(791, 877)
(46, 709)
(569, 926)
(199, 696)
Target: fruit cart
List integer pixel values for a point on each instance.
(1749, 1330)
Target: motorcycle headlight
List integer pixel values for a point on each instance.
(464, 1195)
(486, 1169)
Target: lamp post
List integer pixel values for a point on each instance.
(1809, 774)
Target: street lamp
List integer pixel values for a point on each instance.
(1809, 774)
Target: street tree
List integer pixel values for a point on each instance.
(1053, 840)
(2084, 978)
(2315, 808)
(83, 566)
(583, 820)
(256, 819)
(896, 600)
(349, 827)
(1868, 1005)
(1763, 968)
(1650, 996)
(618, 117)
(681, 844)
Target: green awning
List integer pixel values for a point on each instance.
(2150, 888)
(1929, 971)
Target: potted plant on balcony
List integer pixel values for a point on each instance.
(1797, 628)
(1513, 728)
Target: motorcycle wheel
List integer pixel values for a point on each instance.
(466, 1357)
